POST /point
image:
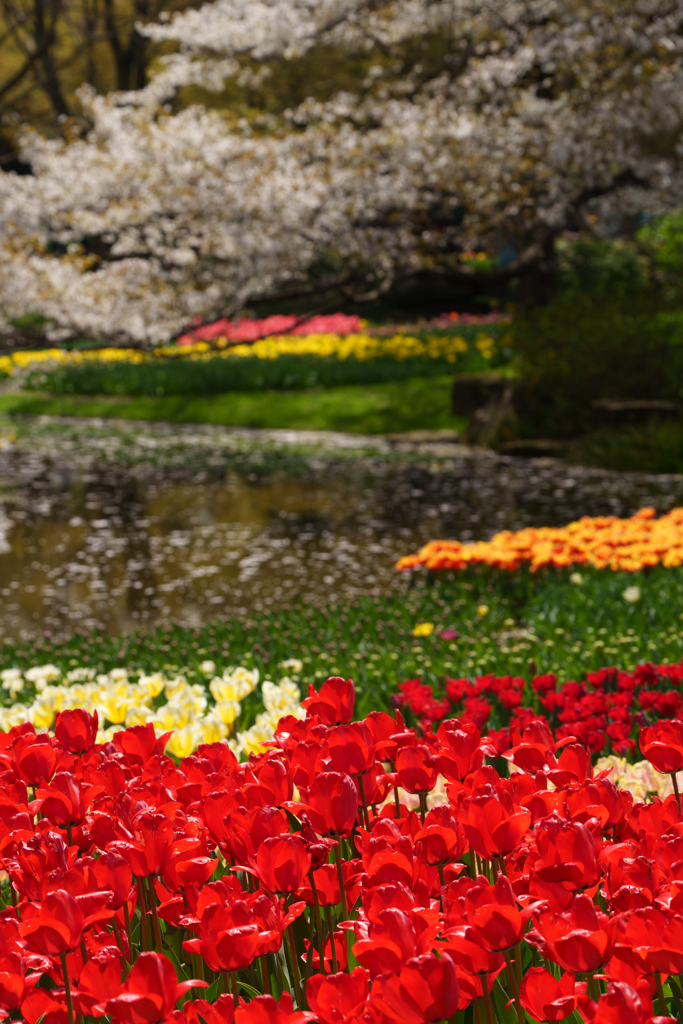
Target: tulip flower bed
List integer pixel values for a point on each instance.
(222, 707)
(282, 362)
(629, 545)
(604, 712)
(333, 878)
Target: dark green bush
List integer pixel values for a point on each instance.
(609, 330)
(654, 447)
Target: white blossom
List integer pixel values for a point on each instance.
(154, 218)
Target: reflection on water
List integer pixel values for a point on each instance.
(114, 547)
(189, 551)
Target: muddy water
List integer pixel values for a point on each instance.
(89, 538)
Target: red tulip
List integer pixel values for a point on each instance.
(461, 751)
(351, 748)
(656, 937)
(230, 937)
(544, 997)
(198, 1011)
(65, 801)
(274, 784)
(392, 936)
(493, 913)
(35, 758)
(415, 772)
(470, 953)
(335, 997)
(150, 992)
(150, 852)
(282, 863)
(621, 1004)
(425, 990)
(442, 839)
(98, 981)
(536, 749)
(567, 855)
(14, 984)
(76, 730)
(334, 704)
(332, 804)
(326, 886)
(113, 872)
(580, 940)
(267, 1010)
(493, 824)
(34, 859)
(188, 865)
(140, 743)
(53, 927)
(662, 745)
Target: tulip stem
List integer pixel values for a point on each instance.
(340, 876)
(512, 975)
(660, 995)
(361, 787)
(678, 795)
(155, 916)
(330, 932)
(67, 989)
(423, 806)
(397, 802)
(126, 918)
(69, 835)
(144, 937)
(119, 943)
(235, 989)
(318, 924)
(264, 977)
(487, 999)
(295, 967)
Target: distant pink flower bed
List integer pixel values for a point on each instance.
(252, 330)
(245, 329)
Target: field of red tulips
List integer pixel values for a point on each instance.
(302, 885)
(604, 712)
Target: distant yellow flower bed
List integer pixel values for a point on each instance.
(363, 347)
(605, 542)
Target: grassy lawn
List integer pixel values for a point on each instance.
(392, 407)
(532, 623)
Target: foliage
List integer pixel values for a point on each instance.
(579, 348)
(653, 447)
(604, 266)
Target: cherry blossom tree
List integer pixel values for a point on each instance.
(475, 124)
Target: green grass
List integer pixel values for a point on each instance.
(534, 623)
(395, 406)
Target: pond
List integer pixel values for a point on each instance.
(117, 526)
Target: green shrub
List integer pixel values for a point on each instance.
(609, 330)
(654, 447)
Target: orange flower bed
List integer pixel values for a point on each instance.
(605, 542)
